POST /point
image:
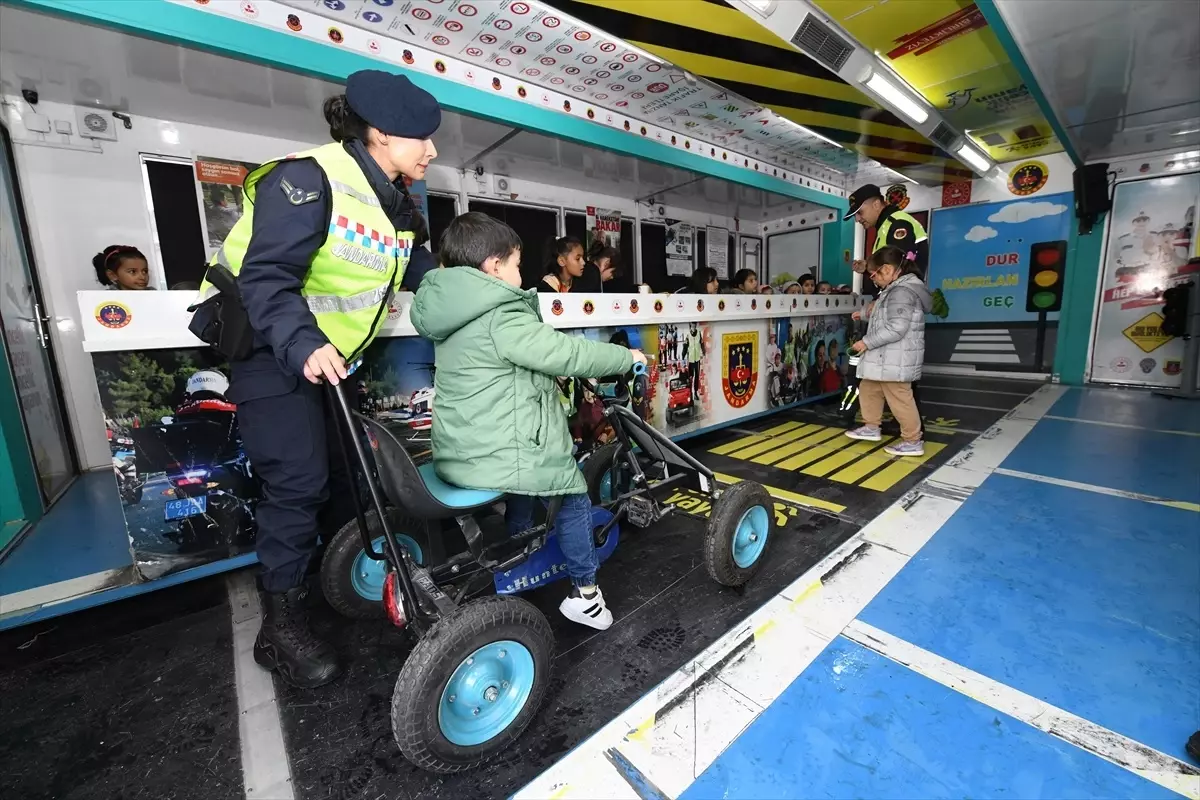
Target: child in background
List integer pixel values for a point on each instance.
(745, 281)
(122, 267)
(824, 287)
(499, 424)
(566, 268)
(808, 284)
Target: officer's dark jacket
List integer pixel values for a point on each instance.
(285, 239)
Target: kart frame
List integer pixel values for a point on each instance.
(421, 600)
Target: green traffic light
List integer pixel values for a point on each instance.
(1044, 299)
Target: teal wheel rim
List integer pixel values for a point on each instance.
(606, 487)
(368, 574)
(750, 537)
(486, 693)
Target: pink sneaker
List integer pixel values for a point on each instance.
(867, 433)
(902, 448)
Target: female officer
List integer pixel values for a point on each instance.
(325, 240)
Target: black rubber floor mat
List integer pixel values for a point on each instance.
(667, 611)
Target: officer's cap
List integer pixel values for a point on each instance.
(861, 195)
(393, 104)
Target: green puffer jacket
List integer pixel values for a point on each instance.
(497, 420)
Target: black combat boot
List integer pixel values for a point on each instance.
(286, 645)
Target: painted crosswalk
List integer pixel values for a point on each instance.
(826, 452)
(990, 346)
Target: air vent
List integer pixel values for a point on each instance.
(819, 41)
(943, 136)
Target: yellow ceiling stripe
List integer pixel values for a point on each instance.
(697, 14)
(725, 69)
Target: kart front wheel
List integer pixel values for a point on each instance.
(472, 684)
(351, 580)
(739, 533)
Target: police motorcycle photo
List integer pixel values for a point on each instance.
(211, 488)
(480, 664)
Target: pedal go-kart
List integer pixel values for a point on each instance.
(481, 662)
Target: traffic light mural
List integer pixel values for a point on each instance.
(1047, 274)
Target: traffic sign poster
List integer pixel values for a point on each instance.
(980, 255)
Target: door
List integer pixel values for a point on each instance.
(28, 345)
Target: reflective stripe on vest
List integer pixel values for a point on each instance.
(347, 285)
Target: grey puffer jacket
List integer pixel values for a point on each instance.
(896, 332)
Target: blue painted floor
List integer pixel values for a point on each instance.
(1086, 600)
(856, 724)
(82, 534)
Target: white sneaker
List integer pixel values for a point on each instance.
(590, 611)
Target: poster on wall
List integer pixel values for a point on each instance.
(221, 195)
(979, 256)
(420, 195)
(680, 240)
(806, 357)
(1151, 236)
(684, 401)
(603, 228)
(716, 242)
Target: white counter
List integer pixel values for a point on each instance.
(159, 320)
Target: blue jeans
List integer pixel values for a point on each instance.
(572, 526)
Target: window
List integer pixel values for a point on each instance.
(654, 260)
(796, 253)
(442, 210)
(177, 223)
(575, 225)
(537, 227)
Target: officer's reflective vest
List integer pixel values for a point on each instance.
(357, 268)
(885, 228)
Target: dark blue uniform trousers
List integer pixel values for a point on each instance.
(287, 429)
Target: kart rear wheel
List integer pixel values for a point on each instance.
(739, 533)
(472, 684)
(352, 581)
(605, 475)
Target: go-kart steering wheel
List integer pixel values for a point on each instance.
(639, 368)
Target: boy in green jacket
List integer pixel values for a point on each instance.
(498, 424)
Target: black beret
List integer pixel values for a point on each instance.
(393, 104)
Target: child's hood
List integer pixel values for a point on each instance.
(918, 288)
(452, 297)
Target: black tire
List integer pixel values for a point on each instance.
(340, 554)
(598, 463)
(427, 672)
(727, 514)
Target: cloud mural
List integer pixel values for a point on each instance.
(1025, 211)
(979, 233)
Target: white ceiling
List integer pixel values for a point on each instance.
(70, 62)
(1123, 77)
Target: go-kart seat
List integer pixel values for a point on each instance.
(418, 490)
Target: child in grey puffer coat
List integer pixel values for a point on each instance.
(893, 351)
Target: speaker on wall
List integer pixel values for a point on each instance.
(1091, 195)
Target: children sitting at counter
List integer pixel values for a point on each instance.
(122, 267)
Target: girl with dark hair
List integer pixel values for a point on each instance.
(745, 281)
(123, 267)
(893, 350)
(566, 268)
(602, 266)
(703, 281)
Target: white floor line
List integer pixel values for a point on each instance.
(674, 732)
(1122, 425)
(1150, 764)
(941, 387)
(986, 358)
(968, 371)
(925, 402)
(59, 592)
(987, 347)
(266, 773)
(1091, 487)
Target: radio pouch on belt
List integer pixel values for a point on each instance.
(221, 321)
